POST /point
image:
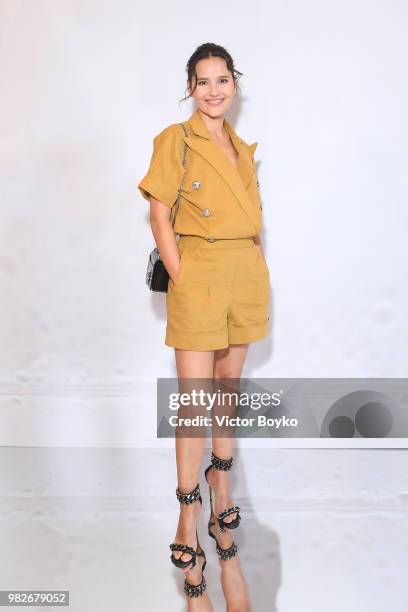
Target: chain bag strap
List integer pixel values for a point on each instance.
(157, 277)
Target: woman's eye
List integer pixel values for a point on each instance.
(205, 82)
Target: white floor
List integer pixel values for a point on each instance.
(322, 530)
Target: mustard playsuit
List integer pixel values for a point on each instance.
(221, 294)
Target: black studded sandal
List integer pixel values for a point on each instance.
(192, 590)
(225, 465)
(223, 553)
(186, 498)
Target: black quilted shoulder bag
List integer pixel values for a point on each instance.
(157, 277)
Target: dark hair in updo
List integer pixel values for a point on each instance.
(210, 50)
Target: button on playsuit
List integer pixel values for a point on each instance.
(222, 291)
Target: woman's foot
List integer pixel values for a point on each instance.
(224, 540)
(219, 482)
(187, 531)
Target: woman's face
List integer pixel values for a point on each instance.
(215, 87)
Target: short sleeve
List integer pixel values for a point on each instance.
(165, 172)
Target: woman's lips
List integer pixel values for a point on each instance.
(215, 102)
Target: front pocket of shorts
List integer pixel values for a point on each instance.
(180, 271)
(188, 305)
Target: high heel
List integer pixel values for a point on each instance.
(186, 498)
(223, 553)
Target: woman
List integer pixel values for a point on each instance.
(218, 292)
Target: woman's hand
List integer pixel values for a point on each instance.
(174, 279)
(164, 237)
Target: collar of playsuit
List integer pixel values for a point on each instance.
(238, 179)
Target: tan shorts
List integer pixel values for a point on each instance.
(220, 297)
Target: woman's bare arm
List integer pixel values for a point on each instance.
(164, 237)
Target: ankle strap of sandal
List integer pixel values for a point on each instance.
(221, 464)
(227, 553)
(189, 498)
(195, 591)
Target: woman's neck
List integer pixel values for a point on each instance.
(215, 125)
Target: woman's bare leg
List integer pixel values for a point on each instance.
(189, 457)
(228, 363)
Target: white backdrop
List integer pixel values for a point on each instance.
(85, 87)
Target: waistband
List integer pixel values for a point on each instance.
(215, 243)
